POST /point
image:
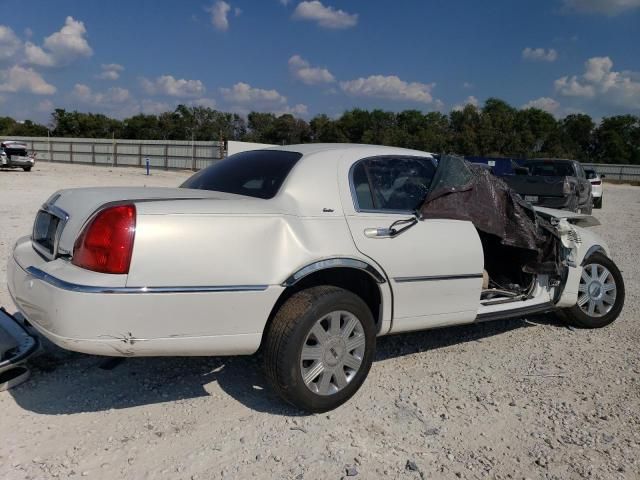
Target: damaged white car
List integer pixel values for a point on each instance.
(15, 155)
(309, 252)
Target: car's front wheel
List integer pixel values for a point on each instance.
(319, 348)
(26, 169)
(600, 294)
(597, 202)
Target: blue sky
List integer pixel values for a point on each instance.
(310, 57)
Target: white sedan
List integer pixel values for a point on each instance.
(308, 252)
(595, 179)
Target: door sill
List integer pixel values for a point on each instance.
(516, 312)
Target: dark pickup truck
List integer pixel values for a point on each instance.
(552, 183)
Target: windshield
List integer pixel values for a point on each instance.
(258, 173)
(591, 174)
(550, 169)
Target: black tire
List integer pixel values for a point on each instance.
(288, 333)
(597, 202)
(26, 169)
(577, 317)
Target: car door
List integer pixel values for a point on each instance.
(434, 266)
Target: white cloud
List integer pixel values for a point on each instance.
(151, 107)
(299, 110)
(203, 102)
(606, 7)
(327, 17)
(35, 55)
(62, 47)
(543, 103)
(601, 84)
(303, 71)
(219, 15)
(173, 87)
(284, 2)
(45, 106)
(110, 71)
(243, 98)
(84, 94)
(20, 79)
(244, 94)
(468, 85)
(470, 100)
(389, 87)
(9, 43)
(571, 87)
(540, 54)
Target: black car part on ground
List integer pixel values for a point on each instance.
(515, 239)
(16, 346)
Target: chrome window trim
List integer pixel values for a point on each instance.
(352, 188)
(77, 288)
(63, 218)
(333, 263)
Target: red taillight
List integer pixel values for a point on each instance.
(595, 182)
(106, 243)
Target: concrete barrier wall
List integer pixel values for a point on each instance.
(622, 173)
(167, 154)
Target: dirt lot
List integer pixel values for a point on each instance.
(527, 398)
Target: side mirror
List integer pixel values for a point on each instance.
(521, 170)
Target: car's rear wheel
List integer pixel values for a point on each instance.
(597, 202)
(319, 348)
(26, 169)
(600, 294)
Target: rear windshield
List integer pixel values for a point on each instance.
(258, 173)
(591, 174)
(550, 169)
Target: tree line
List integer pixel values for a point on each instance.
(495, 129)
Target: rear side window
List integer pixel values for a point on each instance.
(258, 173)
(392, 183)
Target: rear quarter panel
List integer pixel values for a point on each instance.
(221, 250)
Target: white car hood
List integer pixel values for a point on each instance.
(579, 219)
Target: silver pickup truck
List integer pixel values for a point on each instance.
(15, 155)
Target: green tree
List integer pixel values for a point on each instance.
(577, 134)
(617, 140)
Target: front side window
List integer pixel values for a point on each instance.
(391, 183)
(257, 173)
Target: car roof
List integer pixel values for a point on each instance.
(312, 148)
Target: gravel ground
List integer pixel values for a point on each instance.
(526, 398)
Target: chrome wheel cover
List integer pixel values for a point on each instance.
(597, 290)
(332, 352)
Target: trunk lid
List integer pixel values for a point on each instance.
(62, 217)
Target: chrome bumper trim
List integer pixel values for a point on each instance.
(74, 287)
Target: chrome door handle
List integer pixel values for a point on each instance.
(378, 232)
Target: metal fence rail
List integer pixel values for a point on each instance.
(167, 154)
(628, 173)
